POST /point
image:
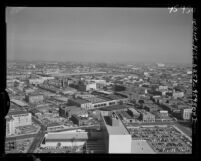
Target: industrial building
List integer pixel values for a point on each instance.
(65, 138)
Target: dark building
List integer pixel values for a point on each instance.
(80, 121)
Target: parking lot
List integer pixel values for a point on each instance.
(21, 146)
(163, 139)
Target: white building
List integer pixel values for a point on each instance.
(160, 65)
(163, 87)
(178, 94)
(16, 119)
(117, 138)
(36, 81)
(65, 138)
(91, 86)
(189, 72)
(187, 113)
(22, 119)
(10, 126)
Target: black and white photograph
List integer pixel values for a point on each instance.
(99, 80)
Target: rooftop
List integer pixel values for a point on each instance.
(17, 112)
(114, 130)
(19, 102)
(81, 101)
(95, 99)
(66, 136)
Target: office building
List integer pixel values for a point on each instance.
(116, 136)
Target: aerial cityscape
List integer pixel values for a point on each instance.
(97, 80)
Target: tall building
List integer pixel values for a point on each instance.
(116, 136)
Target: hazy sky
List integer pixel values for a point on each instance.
(99, 34)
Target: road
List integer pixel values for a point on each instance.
(38, 138)
(36, 142)
(186, 130)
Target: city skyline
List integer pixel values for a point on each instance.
(99, 35)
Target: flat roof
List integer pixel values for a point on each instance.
(113, 107)
(35, 94)
(19, 102)
(80, 100)
(60, 98)
(67, 136)
(18, 112)
(95, 99)
(115, 130)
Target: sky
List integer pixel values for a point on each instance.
(99, 34)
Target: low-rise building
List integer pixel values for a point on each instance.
(68, 111)
(147, 116)
(80, 103)
(187, 113)
(34, 98)
(16, 119)
(79, 120)
(177, 94)
(64, 139)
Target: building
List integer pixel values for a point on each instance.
(134, 113)
(187, 113)
(55, 126)
(69, 91)
(66, 138)
(68, 111)
(189, 72)
(147, 116)
(10, 126)
(163, 87)
(160, 65)
(163, 113)
(86, 86)
(29, 90)
(79, 120)
(162, 116)
(177, 94)
(126, 117)
(116, 136)
(80, 103)
(34, 98)
(19, 103)
(16, 119)
(21, 118)
(36, 81)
